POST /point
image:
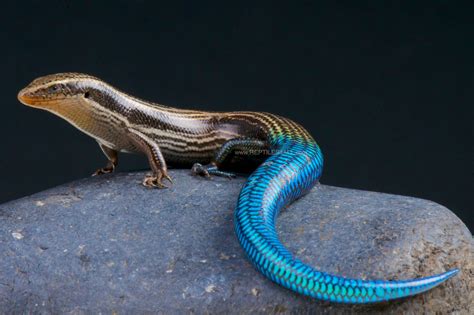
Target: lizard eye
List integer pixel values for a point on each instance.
(54, 88)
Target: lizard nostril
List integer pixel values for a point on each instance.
(21, 94)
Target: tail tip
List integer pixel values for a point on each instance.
(450, 273)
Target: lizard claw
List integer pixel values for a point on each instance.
(104, 170)
(167, 177)
(153, 182)
(210, 169)
(156, 180)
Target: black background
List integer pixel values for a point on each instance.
(385, 89)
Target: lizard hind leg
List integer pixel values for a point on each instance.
(241, 146)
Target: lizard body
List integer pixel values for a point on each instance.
(290, 163)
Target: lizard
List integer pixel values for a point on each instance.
(289, 163)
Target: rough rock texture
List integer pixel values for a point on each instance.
(108, 244)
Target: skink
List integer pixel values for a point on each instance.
(289, 163)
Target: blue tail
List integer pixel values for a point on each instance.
(282, 178)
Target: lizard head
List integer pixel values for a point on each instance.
(52, 92)
(69, 96)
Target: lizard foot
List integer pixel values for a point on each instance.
(104, 170)
(156, 180)
(208, 170)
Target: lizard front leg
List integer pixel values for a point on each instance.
(112, 160)
(155, 159)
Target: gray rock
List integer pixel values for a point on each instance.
(108, 244)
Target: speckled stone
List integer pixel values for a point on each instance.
(107, 244)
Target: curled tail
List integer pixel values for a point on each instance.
(290, 172)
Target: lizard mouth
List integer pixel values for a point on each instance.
(27, 99)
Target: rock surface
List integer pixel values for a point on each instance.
(108, 244)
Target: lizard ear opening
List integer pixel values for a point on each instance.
(86, 94)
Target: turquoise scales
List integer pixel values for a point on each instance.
(288, 174)
(292, 164)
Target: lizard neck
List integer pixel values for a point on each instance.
(106, 114)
